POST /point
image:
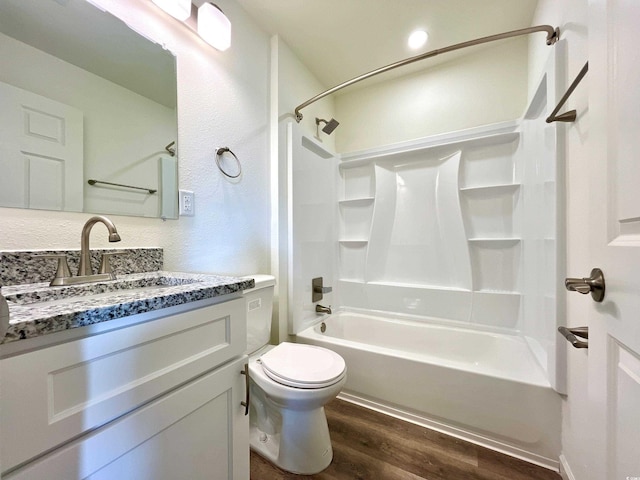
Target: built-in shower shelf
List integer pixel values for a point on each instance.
(506, 188)
(495, 241)
(356, 202)
(354, 242)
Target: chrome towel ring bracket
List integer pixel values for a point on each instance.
(221, 151)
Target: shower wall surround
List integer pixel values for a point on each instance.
(444, 239)
(312, 234)
(458, 228)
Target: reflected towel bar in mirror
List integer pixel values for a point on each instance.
(93, 182)
(171, 148)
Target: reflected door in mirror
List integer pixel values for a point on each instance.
(41, 152)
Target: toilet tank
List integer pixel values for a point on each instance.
(259, 309)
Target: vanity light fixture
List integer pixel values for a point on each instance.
(180, 9)
(213, 26)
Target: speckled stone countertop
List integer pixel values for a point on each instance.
(36, 309)
(29, 266)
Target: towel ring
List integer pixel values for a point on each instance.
(219, 152)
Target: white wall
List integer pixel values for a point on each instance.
(222, 101)
(571, 17)
(142, 126)
(296, 84)
(483, 87)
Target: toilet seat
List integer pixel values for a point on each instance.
(303, 366)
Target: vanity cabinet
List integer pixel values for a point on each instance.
(159, 398)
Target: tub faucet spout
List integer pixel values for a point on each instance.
(321, 309)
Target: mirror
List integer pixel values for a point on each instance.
(83, 97)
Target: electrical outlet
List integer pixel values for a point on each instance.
(187, 206)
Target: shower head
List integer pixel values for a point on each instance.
(330, 125)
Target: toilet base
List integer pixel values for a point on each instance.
(302, 445)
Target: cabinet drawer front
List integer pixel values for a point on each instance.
(197, 432)
(57, 393)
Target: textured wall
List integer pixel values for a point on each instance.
(482, 87)
(222, 101)
(296, 84)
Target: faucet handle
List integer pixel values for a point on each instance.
(62, 271)
(105, 265)
(318, 289)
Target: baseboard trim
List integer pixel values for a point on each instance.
(456, 432)
(565, 469)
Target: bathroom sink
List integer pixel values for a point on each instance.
(41, 294)
(70, 301)
(38, 309)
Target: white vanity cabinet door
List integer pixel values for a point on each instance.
(196, 432)
(57, 393)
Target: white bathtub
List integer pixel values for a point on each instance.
(484, 387)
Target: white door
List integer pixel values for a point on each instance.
(614, 243)
(41, 152)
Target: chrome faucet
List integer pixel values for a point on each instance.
(85, 259)
(321, 309)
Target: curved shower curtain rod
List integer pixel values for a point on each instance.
(553, 34)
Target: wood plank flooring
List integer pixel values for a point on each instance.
(369, 445)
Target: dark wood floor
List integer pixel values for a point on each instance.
(369, 445)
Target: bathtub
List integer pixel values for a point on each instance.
(482, 387)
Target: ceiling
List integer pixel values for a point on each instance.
(341, 39)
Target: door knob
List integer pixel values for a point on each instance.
(593, 284)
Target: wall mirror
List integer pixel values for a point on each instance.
(85, 98)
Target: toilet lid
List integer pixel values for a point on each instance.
(303, 366)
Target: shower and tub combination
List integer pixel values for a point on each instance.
(444, 255)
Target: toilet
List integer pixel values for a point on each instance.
(290, 384)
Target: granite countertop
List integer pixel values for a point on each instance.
(36, 309)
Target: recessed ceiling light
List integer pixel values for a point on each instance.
(417, 39)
